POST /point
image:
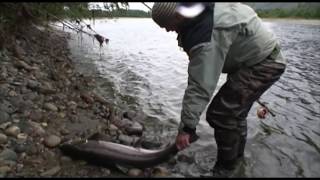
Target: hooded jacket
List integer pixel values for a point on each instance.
(222, 39)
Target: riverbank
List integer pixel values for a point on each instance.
(294, 20)
(45, 102)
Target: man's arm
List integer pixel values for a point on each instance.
(205, 67)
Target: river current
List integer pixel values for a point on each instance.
(143, 69)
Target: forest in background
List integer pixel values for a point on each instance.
(14, 16)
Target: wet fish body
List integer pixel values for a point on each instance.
(108, 153)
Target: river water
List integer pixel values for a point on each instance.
(143, 69)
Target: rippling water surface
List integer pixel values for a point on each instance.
(143, 68)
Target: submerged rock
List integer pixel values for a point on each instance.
(135, 129)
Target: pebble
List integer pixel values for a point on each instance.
(36, 115)
(20, 167)
(65, 159)
(62, 115)
(36, 127)
(22, 64)
(72, 105)
(51, 171)
(106, 172)
(12, 93)
(87, 98)
(8, 154)
(4, 116)
(126, 140)
(160, 172)
(5, 125)
(113, 127)
(33, 84)
(47, 88)
(50, 106)
(22, 136)
(135, 129)
(3, 138)
(20, 148)
(44, 124)
(135, 172)
(52, 141)
(185, 158)
(64, 131)
(6, 107)
(12, 131)
(16, 120)
(4, 170)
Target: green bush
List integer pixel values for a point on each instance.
(299, 12)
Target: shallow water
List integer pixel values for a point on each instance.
(143, 69)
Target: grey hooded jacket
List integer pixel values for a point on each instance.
(222, 40)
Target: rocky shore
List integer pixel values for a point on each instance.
(44, 102)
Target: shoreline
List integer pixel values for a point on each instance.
(46, 102)
(292, 20)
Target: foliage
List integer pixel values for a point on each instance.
(299, 12)
(14, 17)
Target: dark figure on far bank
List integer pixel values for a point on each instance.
(222, 38)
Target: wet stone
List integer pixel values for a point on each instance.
(8, 154)
(126, 140)
(12, 93)
(12, 131)
(4, 170)
(36, 128)
(4, 117)
(129, 114)
(33, 84)
(185, 158)
(4, 89)
(36, 115)
(135, 129)
(5, 125)
(3, 138)
(160, 172)
(6, 107)
(113, 127)
(64, 131)
(20, 167)
(50, 106)
(16, 120)
(22, 136)
(87, 98)
(51, 172)
(135, 172)
(47, 88)
(20, 148)
(65, 159)
(106, 172)
(52, 141)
